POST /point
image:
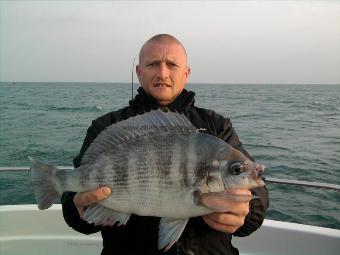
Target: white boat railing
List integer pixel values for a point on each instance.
(26, 168)
(303, 183)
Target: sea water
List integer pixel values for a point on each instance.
(292, 129)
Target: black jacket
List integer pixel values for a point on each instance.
(140, 235)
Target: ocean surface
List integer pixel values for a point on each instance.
(294, 130)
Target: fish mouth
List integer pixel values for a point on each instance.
(256, 173)
(259, 172)
(255, 181)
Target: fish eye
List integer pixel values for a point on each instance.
(236, 168)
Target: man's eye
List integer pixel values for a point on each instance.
(151, 64)
(171, 65)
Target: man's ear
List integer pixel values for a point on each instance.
(188, 71)
(138, 71)
(187, 74)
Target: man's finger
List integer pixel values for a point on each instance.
(228, 219)
(87, 198)
(227, 228)
(238, 191)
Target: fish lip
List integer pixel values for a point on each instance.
(257, 170)
(255, 173)
(256, 182)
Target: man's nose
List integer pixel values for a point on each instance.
(163, 71)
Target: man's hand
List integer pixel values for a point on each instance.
(83, 199)
(233, 219)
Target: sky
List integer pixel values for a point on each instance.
(252, 42)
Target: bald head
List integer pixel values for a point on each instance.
(161, 39)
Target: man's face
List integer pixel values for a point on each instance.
(163, 71)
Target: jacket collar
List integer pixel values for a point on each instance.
(181, 104)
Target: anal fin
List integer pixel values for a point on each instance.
(100, 215)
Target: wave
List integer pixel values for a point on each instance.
(74, 108)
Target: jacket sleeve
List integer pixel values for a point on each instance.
(70, 211)
(257, 207)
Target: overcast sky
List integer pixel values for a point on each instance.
(226, 41)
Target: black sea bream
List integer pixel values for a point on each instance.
(157, 164)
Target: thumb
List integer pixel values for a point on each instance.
(82, 199)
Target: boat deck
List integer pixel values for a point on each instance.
(27, 230)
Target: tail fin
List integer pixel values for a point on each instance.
(42, 176)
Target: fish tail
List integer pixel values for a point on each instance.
(42, 176)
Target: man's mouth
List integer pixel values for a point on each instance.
(162, 85)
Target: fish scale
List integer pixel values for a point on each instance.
(152, 185)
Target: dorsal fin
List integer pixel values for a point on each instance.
(134, 127)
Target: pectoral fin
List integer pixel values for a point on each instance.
(170, 231)
(217, 200)
(100, 215)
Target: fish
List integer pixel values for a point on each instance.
(156, 164)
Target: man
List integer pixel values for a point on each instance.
(163, 73)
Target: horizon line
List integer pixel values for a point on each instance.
(189, 83)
